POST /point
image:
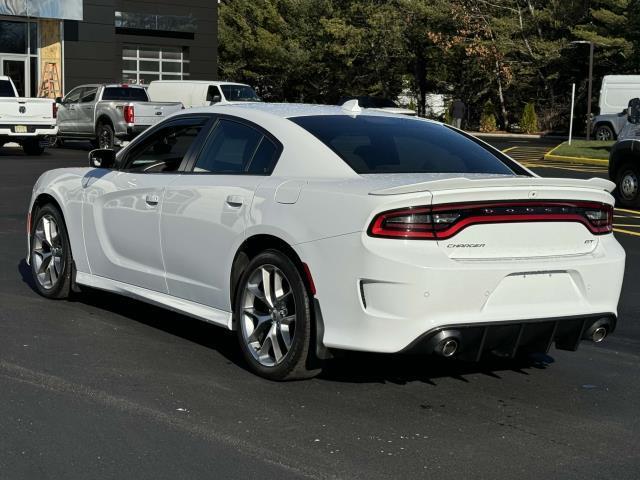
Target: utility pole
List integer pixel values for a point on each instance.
(591, 48)
(591, 51)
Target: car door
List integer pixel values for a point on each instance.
(205, 210)
(121, 212)
(67, 118)
(86, 108)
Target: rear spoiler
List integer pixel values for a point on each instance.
(462, 183)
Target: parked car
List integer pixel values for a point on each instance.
(30, 122)
(308, 228)
(201, 93)
(109, 114)
(380, 104)
(615, 94)
(624, 159)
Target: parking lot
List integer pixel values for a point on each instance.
(106, 387)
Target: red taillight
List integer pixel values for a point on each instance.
(444, 221)
(54, 109)
(129, 114)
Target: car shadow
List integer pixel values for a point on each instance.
(346, 367)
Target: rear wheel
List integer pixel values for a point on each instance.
(32, 147)
(51, 259)
(604, 133)
(105, 136)
(274, 318)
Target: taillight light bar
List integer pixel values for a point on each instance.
(440, 222)
(129, 114)
(54, 110)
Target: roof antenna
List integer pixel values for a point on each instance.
(352, 106)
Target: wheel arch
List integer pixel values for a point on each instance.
(256, 244)
(103, 119)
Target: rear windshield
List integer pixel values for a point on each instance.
(371, 144)
(239, 93)
(125, 93)
(5, 89)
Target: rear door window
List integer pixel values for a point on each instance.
(235, 148)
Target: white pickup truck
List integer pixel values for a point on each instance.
(31, 122)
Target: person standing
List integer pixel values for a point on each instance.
(458, 111)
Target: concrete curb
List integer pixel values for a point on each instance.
(517, 135)
(564, 158)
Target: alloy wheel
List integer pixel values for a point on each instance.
(104, 140)
(603, 135)
(629, 185)
(268, 315)
(47, 252)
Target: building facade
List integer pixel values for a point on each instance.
(50, 46)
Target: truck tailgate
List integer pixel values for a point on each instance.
(26, 110)
(150, 113)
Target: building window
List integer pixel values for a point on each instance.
(143, 64)
(19, 55)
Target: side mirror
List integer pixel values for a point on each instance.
(58, 99)
(216, 99)
(102, 158)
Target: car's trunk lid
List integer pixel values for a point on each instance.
(513, 217)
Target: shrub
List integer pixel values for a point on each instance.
(529, 122)
(488, 121)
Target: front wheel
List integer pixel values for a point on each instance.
(51, 259)
(628, 185)
(274, 318)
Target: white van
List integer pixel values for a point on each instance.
(200, 93)
(615, 94)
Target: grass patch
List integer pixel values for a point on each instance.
(584, 149)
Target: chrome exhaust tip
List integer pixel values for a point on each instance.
(598, 331)
(446, 343)
(449, 347)
(599, 334)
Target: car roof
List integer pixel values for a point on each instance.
(200, 82)
(291, 110)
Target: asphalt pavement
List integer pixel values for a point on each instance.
(105, 387)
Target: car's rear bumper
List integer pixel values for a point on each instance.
(507, 339)
(382, 296)
(32, 131)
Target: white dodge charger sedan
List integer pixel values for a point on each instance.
(312, 228)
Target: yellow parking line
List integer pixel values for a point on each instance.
(628, 232)
(508, 149)
(626, 225)
(628, 211)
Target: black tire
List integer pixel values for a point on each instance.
(61, 287)
(628, 185)
(105, 136)
(604, 133)
(299, 361)
(32, 148)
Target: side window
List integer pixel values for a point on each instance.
(73, 96)
(212, 93)
(163, 150)
(88, 94)
(229, 149)
(264, 160)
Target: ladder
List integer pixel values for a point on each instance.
(50, 85)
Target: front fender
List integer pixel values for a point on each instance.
(65, 188)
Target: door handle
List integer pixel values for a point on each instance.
(235, 201)
(152, 200)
